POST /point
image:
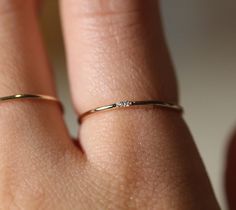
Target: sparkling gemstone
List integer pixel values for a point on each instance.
(124, 103)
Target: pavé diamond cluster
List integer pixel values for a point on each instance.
(124, 103)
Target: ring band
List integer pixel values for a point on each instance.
(31, 96)
(127, 104)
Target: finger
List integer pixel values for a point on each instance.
(116, 51)
(109, 54)
(105, 40)
(33, 138)
(230, 181)
(24, 69)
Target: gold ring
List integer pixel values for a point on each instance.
(128, 104)
(31, 96)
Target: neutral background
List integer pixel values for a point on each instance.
(201, 36)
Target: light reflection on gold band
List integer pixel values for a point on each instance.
(30, 96)
(130, 104)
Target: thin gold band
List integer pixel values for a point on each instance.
(128, 104)
(30, 96)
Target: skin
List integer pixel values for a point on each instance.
(126, 159)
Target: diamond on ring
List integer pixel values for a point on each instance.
(124, 103)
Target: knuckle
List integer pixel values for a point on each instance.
(107, 19)
(31, 188)
(98, 8)
(18, 191)
(30, 181)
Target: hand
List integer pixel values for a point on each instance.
(126, 159)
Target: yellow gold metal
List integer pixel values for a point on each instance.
(130, 104)
(30, 96)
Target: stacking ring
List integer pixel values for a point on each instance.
(128, 104)
(30, 96)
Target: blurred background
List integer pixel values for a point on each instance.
(201, 36)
